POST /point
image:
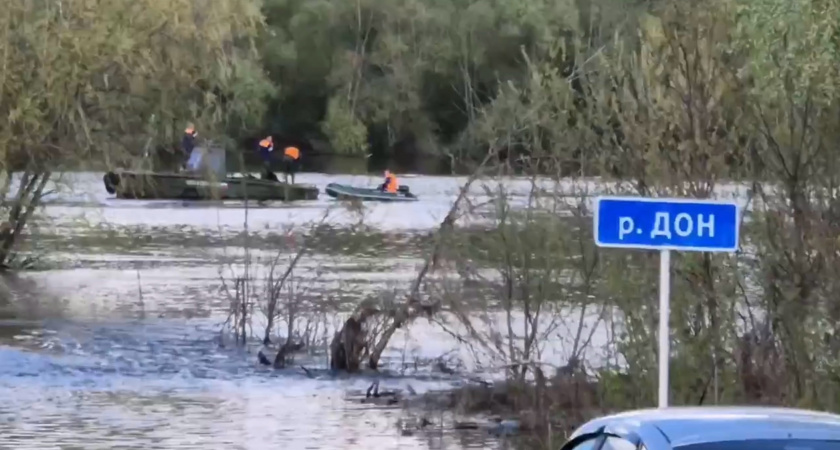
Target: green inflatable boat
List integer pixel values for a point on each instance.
(344, 192)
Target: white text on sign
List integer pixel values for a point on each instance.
(683, 225)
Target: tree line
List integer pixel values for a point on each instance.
(603, 82)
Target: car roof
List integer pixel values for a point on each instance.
(694, 425)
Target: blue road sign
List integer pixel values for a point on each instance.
(666, 224)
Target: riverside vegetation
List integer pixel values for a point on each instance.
(699, 99)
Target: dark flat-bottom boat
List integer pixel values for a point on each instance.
(344, 192)
(178, 186)
(206, 179)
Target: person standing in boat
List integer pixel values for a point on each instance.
(266, 149)
(291, 160)
(188, 144)
(391, 184)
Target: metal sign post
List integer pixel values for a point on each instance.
(666, 224)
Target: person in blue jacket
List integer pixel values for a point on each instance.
(188, 144)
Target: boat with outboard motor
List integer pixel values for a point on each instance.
(345, 192)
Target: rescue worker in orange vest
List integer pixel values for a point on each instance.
(188, 144)
(391, 184)
(266, 147)
(291, 162)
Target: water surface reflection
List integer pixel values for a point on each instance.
(76, 376)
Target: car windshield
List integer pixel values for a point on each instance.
(766, 444)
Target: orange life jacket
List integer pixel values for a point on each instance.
(267, 144)
(392, 185)
(292, 152)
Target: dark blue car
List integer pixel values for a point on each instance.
(710, 428)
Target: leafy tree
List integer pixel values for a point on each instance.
(414, 74)
(791, 55)
(101, 80)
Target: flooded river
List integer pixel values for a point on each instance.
(115, 343)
